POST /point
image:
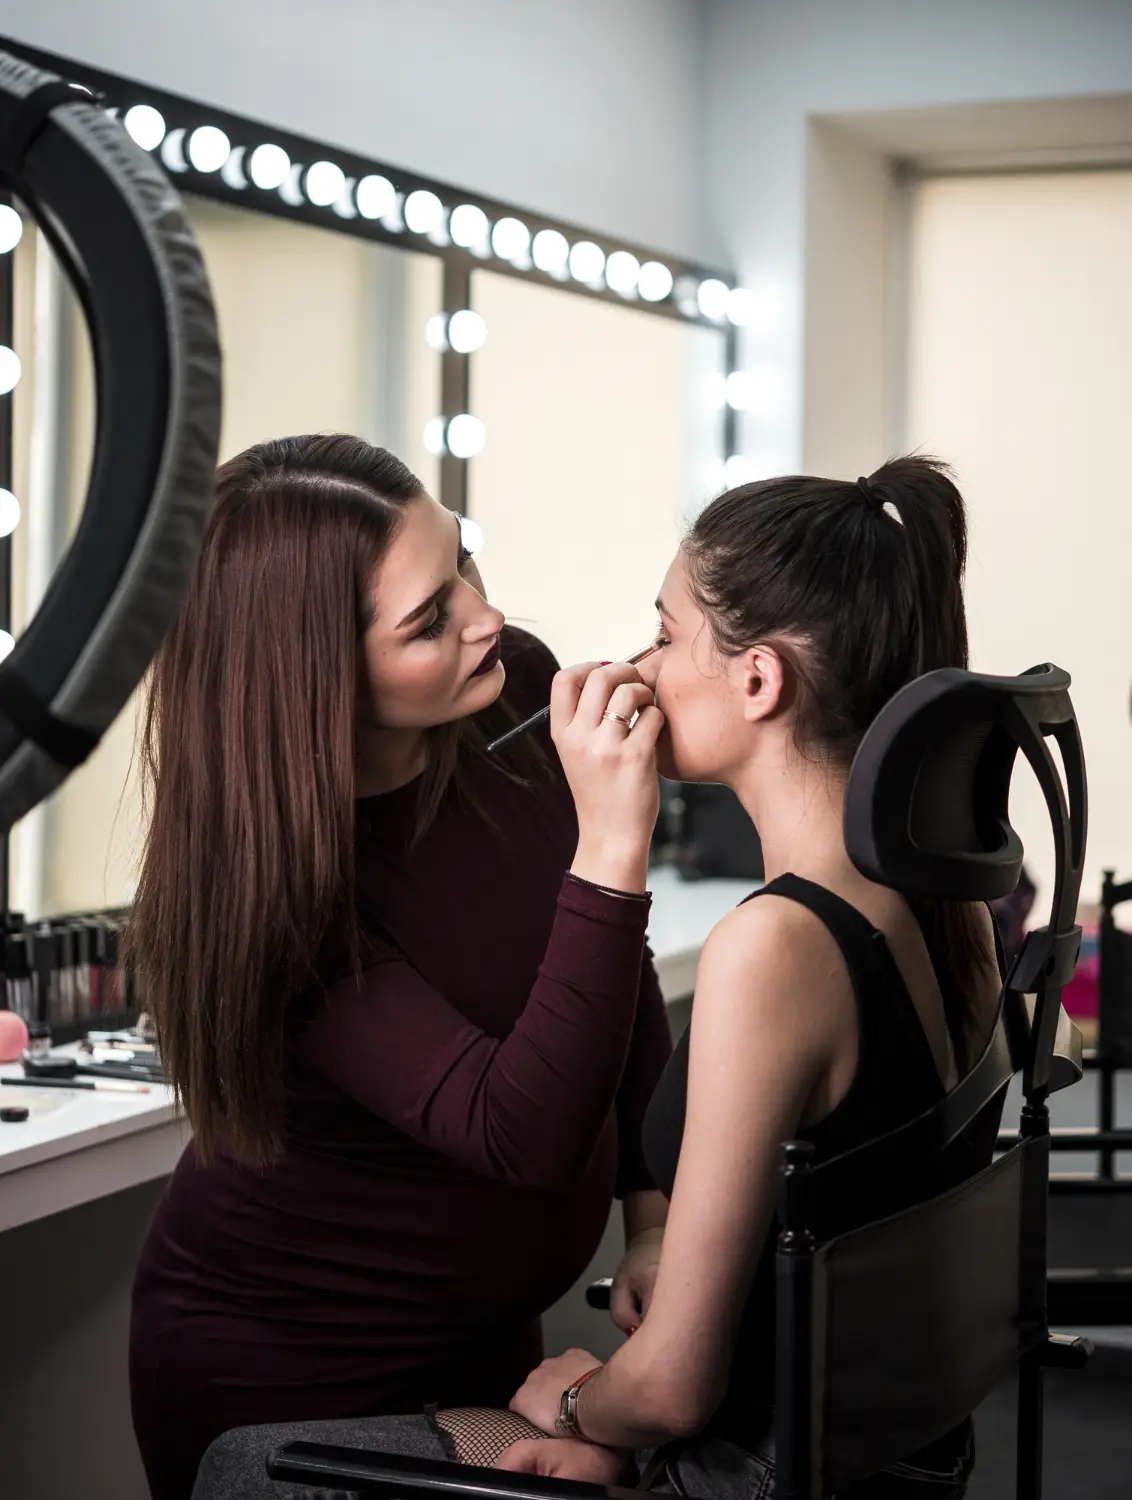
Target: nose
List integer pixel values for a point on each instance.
(484, 619)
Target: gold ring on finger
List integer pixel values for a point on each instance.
(617, 718)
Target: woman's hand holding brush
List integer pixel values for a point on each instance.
(605, 725)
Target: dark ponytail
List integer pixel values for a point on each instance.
(859, 587)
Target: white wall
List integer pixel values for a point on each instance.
(588, 110)
(1019, 370)
(772, 65)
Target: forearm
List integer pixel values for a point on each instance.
(643, 1211)
(630, 1402)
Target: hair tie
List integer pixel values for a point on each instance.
(866, 489)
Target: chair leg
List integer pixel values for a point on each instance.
(1031, 1421)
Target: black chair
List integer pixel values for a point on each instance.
(890, 1334)
(1092, 1212)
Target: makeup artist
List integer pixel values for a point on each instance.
(401, 987)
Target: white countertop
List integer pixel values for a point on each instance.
(78, 1145)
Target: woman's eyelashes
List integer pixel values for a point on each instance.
(437, 625)
(661, 638)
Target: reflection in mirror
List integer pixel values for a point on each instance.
(321, 332)
(604, 436)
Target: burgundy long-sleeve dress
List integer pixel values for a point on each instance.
(457, 1128)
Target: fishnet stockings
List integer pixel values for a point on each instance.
(479, 1434)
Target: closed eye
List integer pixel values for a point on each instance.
(437, 625)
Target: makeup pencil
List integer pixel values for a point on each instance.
(544, 713)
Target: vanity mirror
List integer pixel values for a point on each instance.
(564, 389)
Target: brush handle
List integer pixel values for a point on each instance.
(504, 739)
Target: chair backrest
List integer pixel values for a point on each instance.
(927, 811)
(890, 1334)
(913, 1321)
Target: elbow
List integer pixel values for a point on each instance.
(682, 1408)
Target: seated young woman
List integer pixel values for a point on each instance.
(401, 986)
(829, 1008)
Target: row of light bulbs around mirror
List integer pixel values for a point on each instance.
(464, 331)
(324, 184)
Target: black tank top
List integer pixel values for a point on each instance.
(896, 1080)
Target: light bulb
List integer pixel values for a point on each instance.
(7, 641)
(10, 369)
(712, 297)
(587, 261)
(511, 239)
(468, 226)
(375, 196)
(622, 272)
(465, 436)
(325, 183)
(208, 148)
(739, 390)
(436, 332)
(740, 468)
(466, 331)
(550, 251)
(11, 228)
(433, 435)
(424, 212)
(268, 167)
(145, 125)
(9, 513)
(655, 281)
(471, 534)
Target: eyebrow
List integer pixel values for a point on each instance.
(435, 597)
(661, 609)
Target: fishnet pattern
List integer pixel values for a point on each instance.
(479, 1434)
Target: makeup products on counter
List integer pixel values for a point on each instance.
(65, 972)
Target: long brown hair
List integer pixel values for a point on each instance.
(860, 588)
(248, 763)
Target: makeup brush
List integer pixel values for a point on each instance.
(544, 713)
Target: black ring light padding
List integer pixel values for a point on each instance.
(29, 116)
(69, 744)
(128, 248)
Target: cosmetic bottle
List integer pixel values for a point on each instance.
(18, 976)
(45, 974)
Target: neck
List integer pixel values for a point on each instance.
(798, 806)
(388, 759)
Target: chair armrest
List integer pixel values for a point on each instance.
(325, 1466)
(1063, 1351)
(598, 1294)
(1068, 1062)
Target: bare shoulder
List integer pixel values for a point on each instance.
(774, 961)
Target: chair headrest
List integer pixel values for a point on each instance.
(927, 803)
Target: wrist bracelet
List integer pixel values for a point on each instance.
(567, 1424)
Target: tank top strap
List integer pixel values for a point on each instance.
(853, 933)
(885, 1007)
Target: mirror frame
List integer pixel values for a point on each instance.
(230, 184)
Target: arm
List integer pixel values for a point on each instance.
(527, 1110)
(770, 1012)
